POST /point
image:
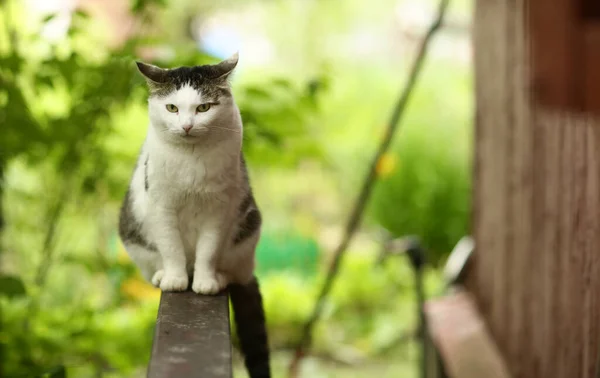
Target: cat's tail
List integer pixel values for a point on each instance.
(251, 327)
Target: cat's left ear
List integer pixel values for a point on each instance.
(153, 74)
(225, 68)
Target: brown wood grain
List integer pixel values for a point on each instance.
(507, 277)
(591, 311)
(519, 271)
(491, 130)
(192, 337)
(535, 273)
(547, 159)
(580, 251)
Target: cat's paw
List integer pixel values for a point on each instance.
(157, 277)
(208, 284)
(172, 282)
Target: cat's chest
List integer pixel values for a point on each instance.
(185, 175)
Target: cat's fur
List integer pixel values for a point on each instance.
(189, 212)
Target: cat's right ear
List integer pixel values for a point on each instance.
(153, 74)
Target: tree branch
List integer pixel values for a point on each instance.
(367, 187)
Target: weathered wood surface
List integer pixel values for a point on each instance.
(535, 273)
(460, 336)
(192, 337)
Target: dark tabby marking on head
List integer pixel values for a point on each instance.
(209, 79)
(146, 184)
(211, 89)
(201, 78)
(129, 228)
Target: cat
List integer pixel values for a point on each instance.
(189, 212)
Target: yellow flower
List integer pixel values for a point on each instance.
(386, 165)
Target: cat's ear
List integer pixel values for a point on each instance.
(225, 68)
(153, 74)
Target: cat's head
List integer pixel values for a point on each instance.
(190, 104)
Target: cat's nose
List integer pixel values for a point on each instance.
(187, 128)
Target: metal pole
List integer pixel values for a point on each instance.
(416, 255)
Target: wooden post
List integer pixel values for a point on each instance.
(192, 337)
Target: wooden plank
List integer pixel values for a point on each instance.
(577, 248)
(509, 151)
(560, 283)
(492, 133)
(459, 334)
(546, 228)
(192, 337)
(522, 271)
(591, 275)
(519, 178)
(537, 272)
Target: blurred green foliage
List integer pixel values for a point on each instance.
(72, 115)
(287, 251)
(59, 103)
(424, 186)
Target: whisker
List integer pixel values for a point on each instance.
(167, 131)
(225, 128)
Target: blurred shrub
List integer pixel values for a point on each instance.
(370, 306)
(289, 251)
(424, 186)
(279, 121)
(70, 142)
(74, 119)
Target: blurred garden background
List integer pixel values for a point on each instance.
(316, 84)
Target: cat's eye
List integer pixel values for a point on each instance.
(172, 108)
(202, 108)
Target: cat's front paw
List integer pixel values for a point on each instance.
(171, 282)
(157, 277)
(208, 284)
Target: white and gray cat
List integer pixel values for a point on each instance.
(189, 212)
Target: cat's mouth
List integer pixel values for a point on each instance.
(195, 133)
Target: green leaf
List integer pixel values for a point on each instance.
(11, 286)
